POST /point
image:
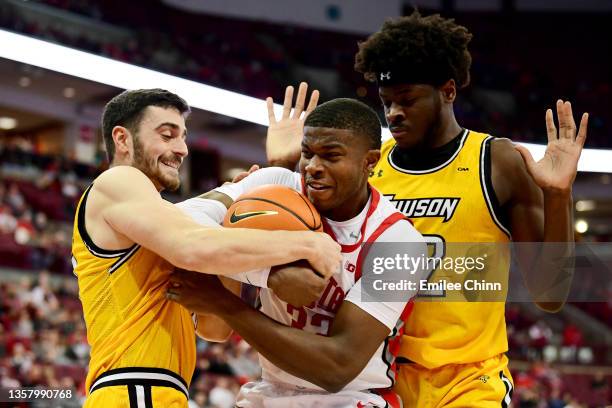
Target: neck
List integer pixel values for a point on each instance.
(351, 207)
(447, 131)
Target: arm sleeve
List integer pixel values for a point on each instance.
(269, 175)
(388, 313)
(206, 212)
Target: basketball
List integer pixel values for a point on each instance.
(273, 207)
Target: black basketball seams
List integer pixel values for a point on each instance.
(265, 200)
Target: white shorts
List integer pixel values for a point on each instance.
(264, 394)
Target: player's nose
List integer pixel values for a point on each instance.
(180, 147)
(395, 114)
(314, 165)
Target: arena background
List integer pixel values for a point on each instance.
(526, 53)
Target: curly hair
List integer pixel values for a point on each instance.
(349, 114)
(424, 49)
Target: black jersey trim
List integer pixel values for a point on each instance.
(132, 396)
(432, 170)
(507, 399)
(486, 184)
(124, 258)
(91, 246)
(145, 376)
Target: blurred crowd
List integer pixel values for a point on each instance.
(511, 85)
(38, 195)
(43, 343)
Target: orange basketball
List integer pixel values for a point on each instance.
(273, 207)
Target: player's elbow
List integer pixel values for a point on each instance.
(336, 380)
(345, 368)
(216, 337)
(550, 307)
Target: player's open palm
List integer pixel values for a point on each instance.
(556, 171)
(284, 140)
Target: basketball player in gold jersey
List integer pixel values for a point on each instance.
(459, 185)
(126, 242)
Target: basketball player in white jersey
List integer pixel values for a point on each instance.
(339, 350)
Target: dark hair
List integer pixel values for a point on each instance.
(127, 109)
(429, 49)
(349, 114)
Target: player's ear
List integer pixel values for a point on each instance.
(372, 157)
(121, 138)
(448, 91)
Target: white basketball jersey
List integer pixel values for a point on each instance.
(379, 221)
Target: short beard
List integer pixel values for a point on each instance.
(151, 169)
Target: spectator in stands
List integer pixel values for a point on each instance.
(572, 336)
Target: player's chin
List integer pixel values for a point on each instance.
(321, 198)
(324, 204)
(170, 183)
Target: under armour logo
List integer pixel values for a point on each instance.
(484, 378)
(385, 76)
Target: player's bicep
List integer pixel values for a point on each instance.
(154, 224)
(134, 209)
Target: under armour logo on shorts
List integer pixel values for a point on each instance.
(385, 76)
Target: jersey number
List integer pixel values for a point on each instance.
(320, 322)
(436, 249)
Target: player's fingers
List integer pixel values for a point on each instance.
(253, 168)
(173, 294)
(551, 129)
(271, 115)
(582, 131)
(314, 101)
(287, 102)
(300, 100)
(562, 118)
(569, 120)
(244, 174)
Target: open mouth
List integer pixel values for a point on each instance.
(172, 164)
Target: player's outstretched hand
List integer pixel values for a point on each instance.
(556, 171)
(326, 257)
(198, 292)
(296, 283)
(284, 140)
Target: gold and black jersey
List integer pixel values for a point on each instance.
(131, 326)
(451, 203)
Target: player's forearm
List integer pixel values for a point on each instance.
(558, 217)
(230, 251)
(554, 264)
(317, 359)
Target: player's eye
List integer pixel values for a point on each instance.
(307, 154)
